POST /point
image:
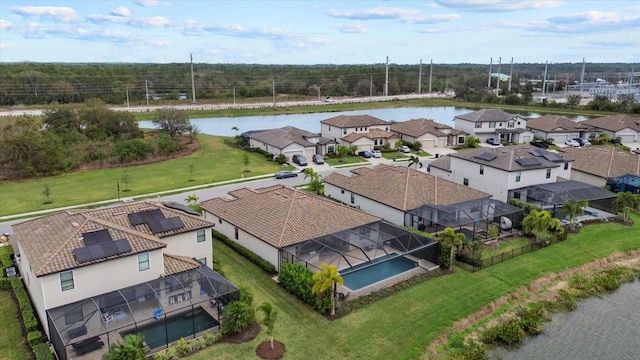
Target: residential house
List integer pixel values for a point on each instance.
(625, 127)
(498, 171)
(493, 123)
(560, 128)
(289, 141)
(90, 272)
(363, 131)
(597, 165)
(428, 133)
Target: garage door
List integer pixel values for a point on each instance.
(428, 144)
(526, 139)
(627, 138)
(442, 142)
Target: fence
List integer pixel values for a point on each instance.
(468, 263)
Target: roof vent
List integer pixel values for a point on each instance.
(75, 224)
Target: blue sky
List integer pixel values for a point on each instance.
(320, 32)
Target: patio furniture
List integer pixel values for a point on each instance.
(343, 296)
(106, 319)
(87, 345)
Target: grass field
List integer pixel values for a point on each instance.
(13, 345)
(504, 246)
(214, 161)
(401, 326)
(346, 161)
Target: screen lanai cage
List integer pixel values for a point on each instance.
(163, 311)
(472, 218)
(359, 247)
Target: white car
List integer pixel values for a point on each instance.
(571, 142)
(376, 153)
(404, 149)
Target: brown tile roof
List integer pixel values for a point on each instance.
(347, 121)
(175, 264)
(48, 242)
(603, 161)
(371, 134)
(419, 127)
(487, 115)
(283, 137)
(506, 157)
(443, 162)
(118, 215)
(555, 123)
(402, 187)
(615, 122)
(282, 216)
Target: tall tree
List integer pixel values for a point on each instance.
(414, 160)
(315, 182)
(269, 319)
(172, 121)
(132, 348)
(342, 151)
(572, 209)
(450, 241)
(625, 202)
(541, 224)
(327, 279)
(235, 129)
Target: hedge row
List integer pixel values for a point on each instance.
(251, 256)
(298, 280)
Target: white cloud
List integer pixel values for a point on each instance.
(431, 19)
(120, 11)
(589, 22)
(161, 43)
(351, 28)
(147, 2)
(56, 13)
(149, 22)
(499, 5)
(4, 24)
(379, 13)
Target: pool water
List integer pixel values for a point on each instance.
(177, 326)
(366, 274)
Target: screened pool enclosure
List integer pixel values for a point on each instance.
(163, 310)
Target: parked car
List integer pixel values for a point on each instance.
(572, 142)
(404, 149)
(317, 158)
(582, 142)
(376, 153)
(365, 154)
(494, 141)
(285, 174)
(300, 160)
(540, 144)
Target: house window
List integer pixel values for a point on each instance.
(201, 236)
(548, 174)
(500, 125)
(330, 149)
(481, 169)
(202, 261)
(365, 129)
(219, 221)
(353, 198)
(329, 128)
(73, 313)
(478, 125)
(143, 261)
(511, 124)
(375, 142)
(518, 175)
(465, 181)
(66, 280)
(460, 139)
(516, 195)
(344, 131)
(235, 230)
(492, 124)
(342, 191)
(518, 122)
(566, 166)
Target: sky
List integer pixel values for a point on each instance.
(307, 32)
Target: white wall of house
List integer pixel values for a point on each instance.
(588, 178)
(288, 151)
(186, 244)
(256, 245)
(627, 135)
(466, 126)
(441, 173)
(363, 143)
(564, 171)
(389, 213)
(335, 133)
(486, 129)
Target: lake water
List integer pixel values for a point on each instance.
(311, 122)
(600, 328)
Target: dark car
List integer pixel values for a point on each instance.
(582, 142)
(285, 174)
(540, 144)
(493, 141)
(317, 158)
(300, 160)
(365, 154)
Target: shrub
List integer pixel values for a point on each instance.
(34, 338)
(236, 316)
(298, 280)
(507, 333)
(167, 144)
(131, 150)
(531, 318)
(43, 352)
(182, 348)
(281, 159)
(260, 262)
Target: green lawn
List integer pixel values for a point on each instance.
(13, 345)
(401, 326)
(350, 159)
(504, 246)
(214, 161)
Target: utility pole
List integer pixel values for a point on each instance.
(544, 80)
(510, 75)
(489, 80)
(386, 80)
(273, 90)
(193, 84)
(430, 74)
(420, 78)
(234, 94)
(582, 78)
(499, 74)
(371, 86)
(127, 95)
(146, 89)
(318, 87)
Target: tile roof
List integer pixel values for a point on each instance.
(175, 264)
(443, 162)
(347, 121)
(506, 157)
(487, 115)
(555, 123)
(615, 122)
(48, 242)
(603, 161)
(283, 137)
(282, 216)
(402, 187)
(371, 134)
(419, 127)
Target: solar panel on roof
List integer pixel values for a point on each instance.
(485, 156)
(146, 216)
(529, 161)
(553, 157)
(178, 206)
(135, 219)
(537, 152)
(109, 248)
(82, 255)
(163, 225)
(94, 237)
(123, 246)
(96, 251)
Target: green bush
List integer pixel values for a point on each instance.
(29, 318)
(606, 281)
(43, 352)
(131, 150)
(281, 159)
(236, 316)
(507, 333)
(260, 262)
(167, 145)
(182, 348)
(298, 280)
(34, 338)
(532, 317)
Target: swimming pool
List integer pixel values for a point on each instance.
(177, 326)
(366, 274)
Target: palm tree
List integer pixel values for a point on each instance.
(625, 202)
(269, 320)
(414, 160)
(235, 128)
(540, 223)
(192, 202)
(132, 348)
(449, 239)
(342, 151)
(572, 209)
(315, 182)
(326, 279)
(353, 149)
